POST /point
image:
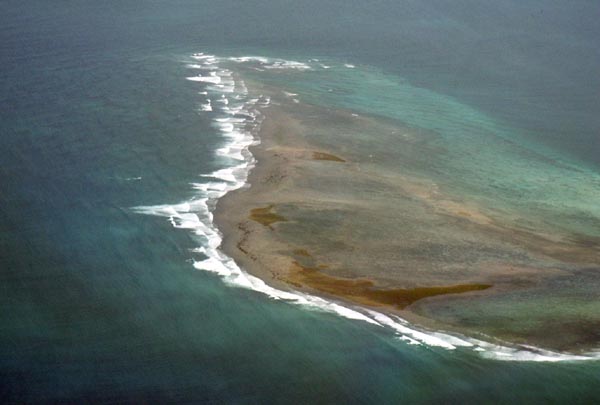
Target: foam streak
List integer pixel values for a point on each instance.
(237, 117)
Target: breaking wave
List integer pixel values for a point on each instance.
(238, 117)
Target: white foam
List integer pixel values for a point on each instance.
(272, 63)
(349, 65)
(212, 78)
(250, 59)
(206, 59)
(287, 64)
(529, 353)
(230, 119)
(207, 106)
(411, 335)
(225, 126)
(414, 335)
(238, 126)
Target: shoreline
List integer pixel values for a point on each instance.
(251, 220)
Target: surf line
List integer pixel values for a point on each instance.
(237, 117)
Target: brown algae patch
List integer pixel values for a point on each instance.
(302, 252)
(327, 156)
(265, 217)
(364, 291)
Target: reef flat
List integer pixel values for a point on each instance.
(334, 210)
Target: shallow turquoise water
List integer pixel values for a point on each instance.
(99, 303)
(482, 158)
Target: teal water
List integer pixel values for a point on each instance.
(492, 161)
(100, 303)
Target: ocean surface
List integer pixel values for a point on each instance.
(123, 122)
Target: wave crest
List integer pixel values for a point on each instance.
(238, 119)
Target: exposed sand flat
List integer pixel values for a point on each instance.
(331, 212)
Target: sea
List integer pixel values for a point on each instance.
(124, 122)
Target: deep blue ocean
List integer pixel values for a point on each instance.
(101, 304)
